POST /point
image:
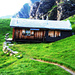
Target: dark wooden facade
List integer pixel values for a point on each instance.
(18, 35)
(46, 35)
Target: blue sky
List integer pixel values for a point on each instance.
(10, 7)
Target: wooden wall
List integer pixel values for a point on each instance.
(17, 34)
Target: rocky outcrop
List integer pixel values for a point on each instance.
(54, 12)
(67, 10)
(33, 10)
(42, 8)
(63, 11)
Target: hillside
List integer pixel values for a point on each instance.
(62, 52)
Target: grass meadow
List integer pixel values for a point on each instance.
(62, 52)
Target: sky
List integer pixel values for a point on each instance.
(11, 7)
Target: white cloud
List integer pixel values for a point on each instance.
(10, 7)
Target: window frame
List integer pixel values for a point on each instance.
(27, 32)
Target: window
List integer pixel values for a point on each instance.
(27, 32)
(23, 32)
(57, 33)
(32, 32)
(51, 33)
(54, 33)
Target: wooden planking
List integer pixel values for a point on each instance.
(39, 34)
(16, 33)
(44, 33)
(20, 33)
(13, 33)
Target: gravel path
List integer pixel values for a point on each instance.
(63, 67)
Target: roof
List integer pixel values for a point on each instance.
(48, 24)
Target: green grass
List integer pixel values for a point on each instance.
(62, 52)
(72, 20)
(25, 66)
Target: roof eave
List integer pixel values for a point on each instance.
(40, 28)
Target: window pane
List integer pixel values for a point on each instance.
(32, 32)
(57, 33)
(51, 33)
(27, 32)
(23, 31)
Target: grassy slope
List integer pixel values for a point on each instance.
(57, 52)
(72, 20)
(62, 51)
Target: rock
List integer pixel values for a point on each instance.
(33, 10)
(62, 12)
(11, 54)
(64, 9)
(9, 40)
(5, 48)
(7, 34)
(44, 7)
(4, 44)
(15, 52)
(41, 8)
(10, 45)
(68, 9)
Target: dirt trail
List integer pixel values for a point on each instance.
(61, 66)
